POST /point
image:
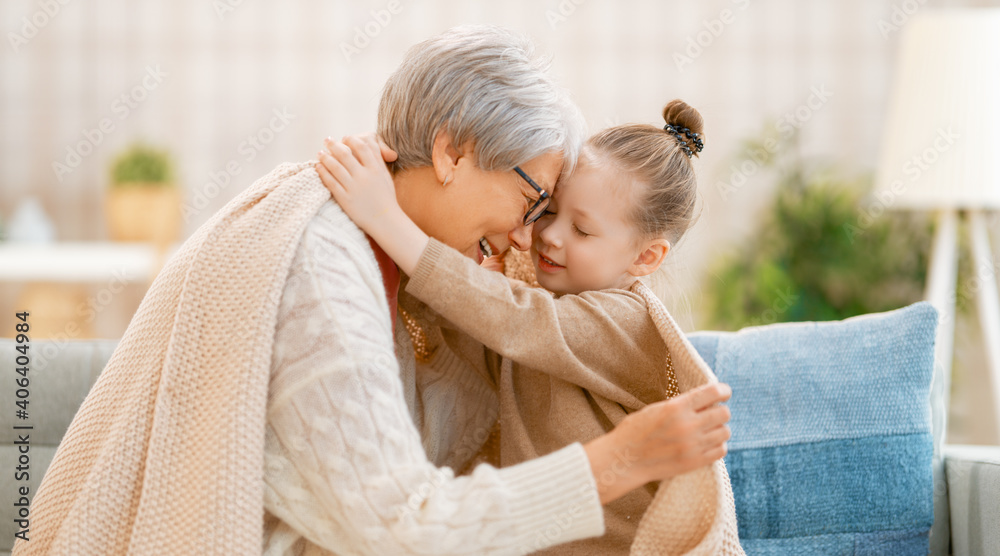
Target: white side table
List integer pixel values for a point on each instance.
(81, 262)
(68, 285)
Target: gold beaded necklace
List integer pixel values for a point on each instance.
(417, 336)
(673, 389)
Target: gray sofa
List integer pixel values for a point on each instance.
(63, 372)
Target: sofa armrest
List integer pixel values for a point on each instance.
(973, 474)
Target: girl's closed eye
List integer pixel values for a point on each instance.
(579, 232)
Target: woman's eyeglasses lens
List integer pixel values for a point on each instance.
(538, 209)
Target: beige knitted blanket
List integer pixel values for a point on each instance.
(165, 455)
(693, 514)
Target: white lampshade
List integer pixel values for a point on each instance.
(941, 147)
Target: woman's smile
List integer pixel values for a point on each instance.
(485, 249)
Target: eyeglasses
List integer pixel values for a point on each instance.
(538, 209)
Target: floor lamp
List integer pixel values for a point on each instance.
(941, 153)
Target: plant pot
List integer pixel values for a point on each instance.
(141, 212)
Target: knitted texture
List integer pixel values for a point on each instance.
(255, 404)
(165, 455)
(695, 513)
(573, 367)
(692, 514)
(518, 265)
(345, 471)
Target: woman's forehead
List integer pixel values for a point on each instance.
(544, 170)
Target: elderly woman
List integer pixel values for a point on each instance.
(267, 397)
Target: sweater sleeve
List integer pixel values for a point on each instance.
(604, 341)
(344, 467)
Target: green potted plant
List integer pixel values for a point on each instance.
(143, 202)
(822, 250)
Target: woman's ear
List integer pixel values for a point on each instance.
(446, 156)
(650, 258)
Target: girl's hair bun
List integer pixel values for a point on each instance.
(680, 114)
(684, 123)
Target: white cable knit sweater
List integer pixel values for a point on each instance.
(255, 403)
(345, 469)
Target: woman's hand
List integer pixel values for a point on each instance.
(661, 441)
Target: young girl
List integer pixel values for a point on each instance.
(580, 356)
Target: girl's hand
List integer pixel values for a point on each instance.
(355, 173)
(662, 440)
(388, 154)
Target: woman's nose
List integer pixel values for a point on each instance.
(520, 237)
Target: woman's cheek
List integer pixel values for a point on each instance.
(502, 216)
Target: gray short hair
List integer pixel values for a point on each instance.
(480, 83)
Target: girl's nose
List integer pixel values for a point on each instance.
(550, 237)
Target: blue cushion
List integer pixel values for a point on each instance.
(831, 432)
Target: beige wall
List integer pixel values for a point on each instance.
(225, 71)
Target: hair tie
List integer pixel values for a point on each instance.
(677, 132)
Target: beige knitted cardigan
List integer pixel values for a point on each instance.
(162, 460)
(693, 514)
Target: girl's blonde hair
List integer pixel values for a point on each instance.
(657, 158)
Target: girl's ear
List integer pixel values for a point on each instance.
(650, 258)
